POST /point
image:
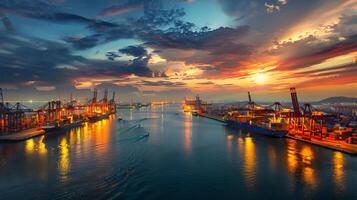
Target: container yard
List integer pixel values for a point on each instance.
(18, 122)
(331, 129)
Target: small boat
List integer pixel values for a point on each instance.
(195, 113)
(125, 106)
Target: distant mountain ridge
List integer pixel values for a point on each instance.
(339, 99)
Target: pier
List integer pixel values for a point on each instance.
(333, 145)
(22, 135)
(18, 122)
(214, 117)
(303, 123)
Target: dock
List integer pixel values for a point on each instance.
(337, 146)
(19, 122)
(22, 135)
(209, 116)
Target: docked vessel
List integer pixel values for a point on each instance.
(61, 125)
(265, 125)
(258, 119)
(96, 118)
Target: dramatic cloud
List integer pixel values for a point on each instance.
(51, 63)
(136, 51)
(148, 47)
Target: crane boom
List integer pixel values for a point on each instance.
(295, 102)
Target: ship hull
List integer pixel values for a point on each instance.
(256, 129)
(98, 118)
(63, 127)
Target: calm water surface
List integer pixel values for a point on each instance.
(184, 157)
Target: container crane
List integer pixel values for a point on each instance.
(295, 102)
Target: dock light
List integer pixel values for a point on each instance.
(187, 108)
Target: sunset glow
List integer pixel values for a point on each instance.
(188, 53)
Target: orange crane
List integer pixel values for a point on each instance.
(305, 124)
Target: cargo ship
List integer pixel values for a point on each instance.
(96, 118)
(258, 119)
(62, 125)
(265, 124)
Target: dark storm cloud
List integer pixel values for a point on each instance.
(112, 55)
(133, 29)
(136, 51)
(39, 10)
(84, 42)
(49, 63)
(149, 6)
(43, 10)
(149, 30)
(183, 37)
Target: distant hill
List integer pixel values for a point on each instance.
(339, 100)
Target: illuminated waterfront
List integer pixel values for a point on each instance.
(184, 157)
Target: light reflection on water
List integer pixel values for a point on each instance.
(102, 160)
(339, 176)
(64, 162)
(249, 162)
(187, 124)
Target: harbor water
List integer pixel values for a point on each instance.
(163, 153)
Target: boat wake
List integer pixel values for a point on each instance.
(133, 127)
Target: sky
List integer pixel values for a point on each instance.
(148, 50)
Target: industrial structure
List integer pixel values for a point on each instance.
(17, 117)
(194, 106)
(335, 130)
(54, 115)
(309, 123)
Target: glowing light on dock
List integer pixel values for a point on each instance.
(249, 162)
(64, 161)
(187, 133)
(29, 146)
(338, 164)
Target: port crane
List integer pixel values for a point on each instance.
(15, 117)
(306, 121)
